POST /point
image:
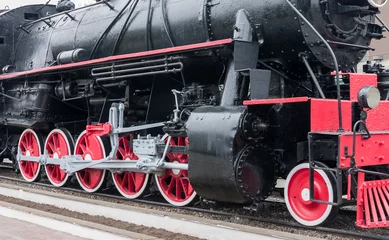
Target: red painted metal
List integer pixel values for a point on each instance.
(185, 48)
(324, 114)
(369, 152)
(99, 130)
(372, 204)
(358, 81)
(360, 220)
(376, 120)
(276, 101)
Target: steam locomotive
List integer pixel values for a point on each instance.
(202, 98)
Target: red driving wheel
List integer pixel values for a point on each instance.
(59, 143)
(174, 185)
(30, 144)
(130, 184)
(90, 148)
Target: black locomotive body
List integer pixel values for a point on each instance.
(228, 82)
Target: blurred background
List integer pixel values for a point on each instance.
(382, 46)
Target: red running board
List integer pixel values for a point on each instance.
(185, 48)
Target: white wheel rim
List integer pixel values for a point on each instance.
(134, 196)
(174, 203)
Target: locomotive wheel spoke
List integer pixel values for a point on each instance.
(24, 145)
(30, 144)
(90, 147)
(51, 146)
(174, 185)
(179, 189)
(131, 182)
(131, 185)
(171, 185)
(185, 187)
(122, 151)
(83, 148)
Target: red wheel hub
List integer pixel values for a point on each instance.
(129, 184)
(175, 185)
(298, 195)
(90, 148)
(30, 146)
(57, 145)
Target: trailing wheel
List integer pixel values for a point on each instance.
(130, 184)
(90, 148)
(30, 144)
(59, 143)
(174, 185)
(297, 199)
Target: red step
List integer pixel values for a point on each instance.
(372, 204)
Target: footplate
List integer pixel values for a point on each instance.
(373, 204)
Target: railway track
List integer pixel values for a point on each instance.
(213, 212)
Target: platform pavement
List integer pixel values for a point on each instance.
(12, 229)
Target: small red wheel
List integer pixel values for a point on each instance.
(30, 144)
(59, 143)
(297, 198)
(174, 185)
(131, 185)
(90, 148)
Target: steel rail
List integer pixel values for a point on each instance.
(208, 211)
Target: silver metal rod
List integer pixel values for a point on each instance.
(131, 70)
(178, 166)
(138, 128)
(165, 151)
(314, 79)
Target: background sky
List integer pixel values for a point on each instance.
(17, 3)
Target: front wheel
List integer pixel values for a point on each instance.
(297, 196)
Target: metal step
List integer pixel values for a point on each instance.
(372, 204)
